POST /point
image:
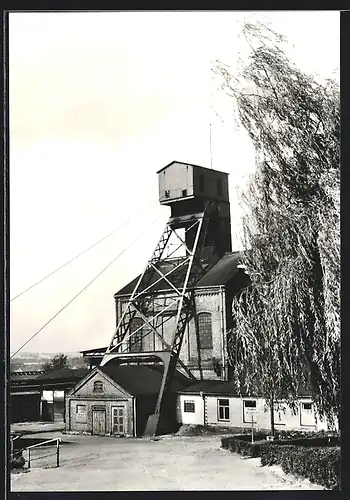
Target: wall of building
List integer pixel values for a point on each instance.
(240, 416)
(81, 403)
(80, 411)
(208, 300)
(190, 417)
(175, 179)
(24, 407)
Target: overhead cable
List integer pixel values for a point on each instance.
(83, 289)
(76, 257)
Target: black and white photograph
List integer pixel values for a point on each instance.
(174, 251)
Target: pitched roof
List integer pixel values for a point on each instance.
(224, 270)
(192, 165)
(211, 387)
(219, 274)
(219, 387)
(142, 379)
(64, 374)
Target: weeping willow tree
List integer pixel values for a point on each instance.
(286, 331)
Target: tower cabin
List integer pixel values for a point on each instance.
(190, 189)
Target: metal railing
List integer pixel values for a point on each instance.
(57, 452)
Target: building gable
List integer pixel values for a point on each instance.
(98, 385)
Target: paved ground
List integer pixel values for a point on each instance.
(36, 427)
(91, 463)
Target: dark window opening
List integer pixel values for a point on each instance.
(167, 193)
(184, 192)
(250, 404)
(205, 331)
(98, 386)
(223, 409)
(201, 183)
(189, 407)
(307, 406)
(219, 187)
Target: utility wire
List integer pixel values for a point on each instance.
(83, 289)
(74, 258)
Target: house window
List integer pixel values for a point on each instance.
(201, 183)
(98, 386)
(135, 342)
(184, 192)
(219, 186)
(205, 330)
(167, 193)
(249, 410)
(223, 409)
(307, 406)
(80, 413)
(189, 407)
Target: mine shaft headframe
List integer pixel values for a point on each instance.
(180, 277)
(189, 268)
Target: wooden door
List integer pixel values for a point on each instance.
(118, 420)
(99, 422)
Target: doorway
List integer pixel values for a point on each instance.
(118, 420)
(99, 422)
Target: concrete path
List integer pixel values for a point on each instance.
(91, 463)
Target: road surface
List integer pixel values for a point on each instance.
(92, 463)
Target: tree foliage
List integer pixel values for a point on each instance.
(58, 361)
(287, 323)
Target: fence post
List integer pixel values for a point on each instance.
(58, 452)
(28, 458)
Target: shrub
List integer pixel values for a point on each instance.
(17, 460)
(242, 444)
(320, 465)
(291, 434)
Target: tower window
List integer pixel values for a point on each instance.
(184, 192)
(201, 183)
(135, 342)
(219, 186)
(205, 330)
(167, 193)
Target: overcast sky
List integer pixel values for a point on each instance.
(98, 103)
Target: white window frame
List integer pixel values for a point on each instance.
(225, 406)
(247, 419)
(302, 403)
(191, 402)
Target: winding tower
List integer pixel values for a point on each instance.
(196, 236)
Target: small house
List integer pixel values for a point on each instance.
(118, 399)
(210, 402)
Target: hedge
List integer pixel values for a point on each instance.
(320, 465)
(242, 444)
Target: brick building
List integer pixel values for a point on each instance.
(203, 350)
(117, 400)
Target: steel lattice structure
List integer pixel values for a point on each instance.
(180, 277)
